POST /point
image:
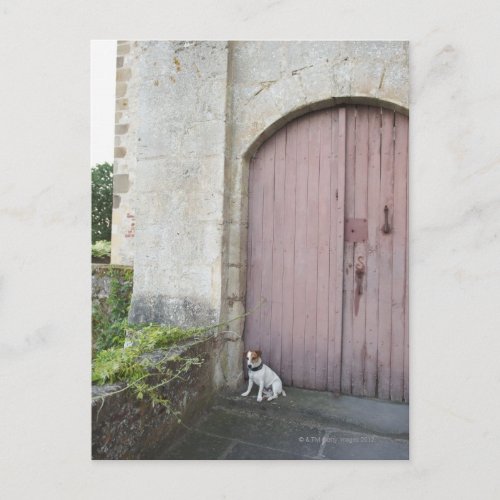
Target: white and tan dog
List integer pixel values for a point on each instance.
(263, 376)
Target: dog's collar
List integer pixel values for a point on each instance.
(258, 368)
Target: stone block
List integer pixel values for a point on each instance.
(120, 183)
(121, 129)
(122, 49)
(121, 104)
(123, 74)
(121, 89)
(120, 152)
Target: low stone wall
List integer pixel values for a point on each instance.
(101, 279)
(124, 427)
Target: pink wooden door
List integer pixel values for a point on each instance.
(326, 286)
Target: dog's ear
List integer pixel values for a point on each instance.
(259, 353)
(245, 354)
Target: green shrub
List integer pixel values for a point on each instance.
(102, 201)
(117, 364)
(140, 372)
(109, 318)
(101, 248)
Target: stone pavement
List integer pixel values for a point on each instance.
(304, 425)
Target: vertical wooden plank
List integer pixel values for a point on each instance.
(385, 256)
(267, 246)
(254, 267)
(407, 279)
(339, 145)
(324, 225)
(348, 294)
(277, 271)
(250, 295)
(312, 252)
(360, 212)
(372, 274)
(399, 257)
(406, 388)
(300, 262)
(332, 353)
(289, 251)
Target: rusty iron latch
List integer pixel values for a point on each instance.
(360, 272)
(386, 229)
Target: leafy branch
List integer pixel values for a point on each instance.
(138, 364)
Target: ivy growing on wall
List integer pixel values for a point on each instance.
(109, 316)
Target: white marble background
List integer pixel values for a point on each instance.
(45, 235)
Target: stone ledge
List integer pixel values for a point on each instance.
(124, 427)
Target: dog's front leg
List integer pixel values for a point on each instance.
(250, 385)
(261, 388)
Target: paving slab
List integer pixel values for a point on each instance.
(304, 425)
(197, 446)
(363, 414)
(364, 447)
(248, 452)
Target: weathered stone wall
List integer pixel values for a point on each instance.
(126, 123)
(124, 427)
(180, 182)
(203, 109)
